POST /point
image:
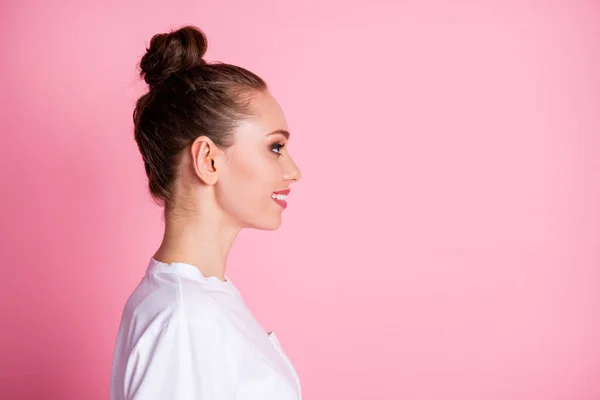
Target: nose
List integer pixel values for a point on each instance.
(292, 172)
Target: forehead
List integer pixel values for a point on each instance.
(267, 117)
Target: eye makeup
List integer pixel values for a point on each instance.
(276, 148)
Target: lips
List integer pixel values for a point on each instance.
(282, 203)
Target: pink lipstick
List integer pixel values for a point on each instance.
(279, 197)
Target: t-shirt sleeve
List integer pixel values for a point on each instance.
(183, 361)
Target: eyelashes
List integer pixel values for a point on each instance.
(276, 148)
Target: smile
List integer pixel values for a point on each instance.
(280, 197)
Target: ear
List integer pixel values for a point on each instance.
(204, 152)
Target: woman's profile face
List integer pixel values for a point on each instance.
(257, 165)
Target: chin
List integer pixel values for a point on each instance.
(268, 225)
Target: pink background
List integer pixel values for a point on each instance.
(443, 243)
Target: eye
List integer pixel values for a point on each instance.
(276, 148)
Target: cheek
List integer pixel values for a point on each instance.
(258, 168)
(253, 179)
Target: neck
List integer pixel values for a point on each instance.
(202, 238)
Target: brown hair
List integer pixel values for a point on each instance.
(188, 98)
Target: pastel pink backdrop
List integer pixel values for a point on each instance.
(443, 244)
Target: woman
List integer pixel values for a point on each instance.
(213, 141)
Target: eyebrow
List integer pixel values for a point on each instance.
(282, 131)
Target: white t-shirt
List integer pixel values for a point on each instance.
(184, 336)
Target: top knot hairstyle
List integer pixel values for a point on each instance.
(188, 98)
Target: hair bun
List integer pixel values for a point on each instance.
(170, 53)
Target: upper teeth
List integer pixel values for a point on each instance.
(278, 196)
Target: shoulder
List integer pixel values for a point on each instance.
(185, 348)
(200, 304)
(154, 309)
